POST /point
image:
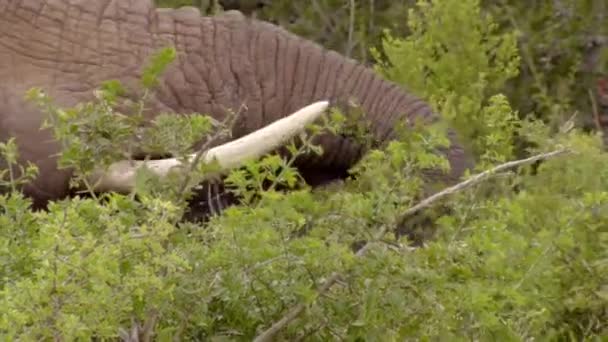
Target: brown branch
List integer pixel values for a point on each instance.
(295, 311)
(480, 177)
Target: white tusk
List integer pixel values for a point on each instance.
(120, 176)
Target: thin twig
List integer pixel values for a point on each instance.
(147, 331)
(295, 311)
(596, 112)
(327, 22)
(351, 28)
(221, 133)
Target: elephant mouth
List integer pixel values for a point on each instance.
(121, 176)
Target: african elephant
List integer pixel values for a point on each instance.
(68, 47)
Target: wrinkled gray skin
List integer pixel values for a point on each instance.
(68, 47)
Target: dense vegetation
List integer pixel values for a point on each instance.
(519, 254)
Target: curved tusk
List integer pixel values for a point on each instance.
(120, 176)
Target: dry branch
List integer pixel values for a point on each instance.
(478, 178)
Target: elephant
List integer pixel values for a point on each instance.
(224, 62)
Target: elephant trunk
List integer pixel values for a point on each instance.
(303, 72)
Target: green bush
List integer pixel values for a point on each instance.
(521, 255)
(431, 63)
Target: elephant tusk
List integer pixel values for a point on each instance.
(120, 176)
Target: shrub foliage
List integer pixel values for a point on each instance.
(521, 255)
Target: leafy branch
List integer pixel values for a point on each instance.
(294, 312)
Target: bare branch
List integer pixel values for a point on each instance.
(478, 178)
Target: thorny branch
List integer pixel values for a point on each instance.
(295, 311)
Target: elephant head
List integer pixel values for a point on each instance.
(226, 62)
